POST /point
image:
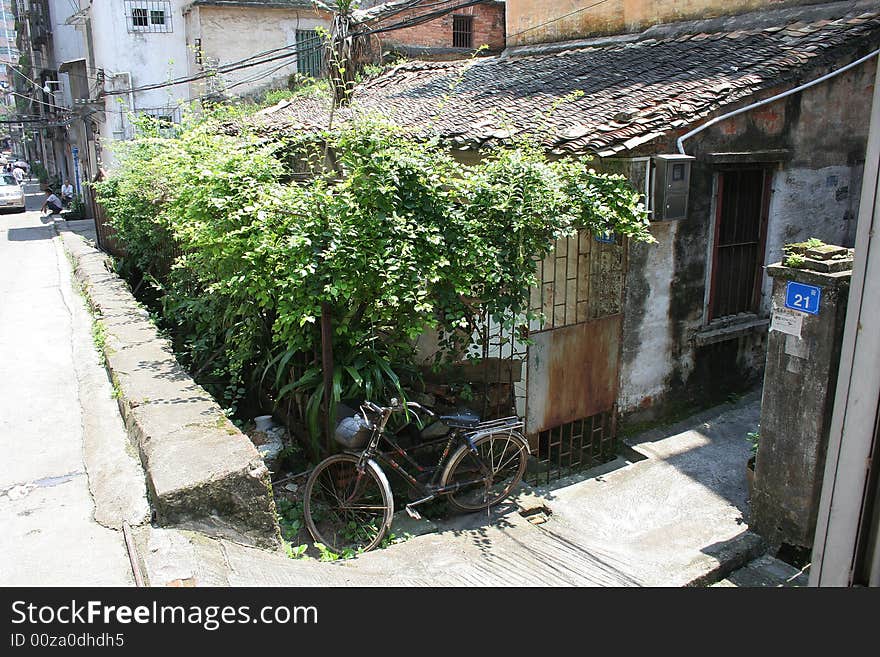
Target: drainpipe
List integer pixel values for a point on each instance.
(127, 75)
(766, 101)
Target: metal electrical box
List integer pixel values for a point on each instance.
(672, 182)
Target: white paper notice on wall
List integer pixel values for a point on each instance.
(787, 321)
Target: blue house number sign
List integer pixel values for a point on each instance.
(805, 298)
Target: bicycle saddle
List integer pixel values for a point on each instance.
(461, 420)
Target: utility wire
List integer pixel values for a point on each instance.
(225, 68)
(423, 18)
(409, 5)
(270, 55)
(34, 82)
(557, 19)
(247, 63)
(32, 99)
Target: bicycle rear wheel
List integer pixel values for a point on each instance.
(487, 475)
(347, 510)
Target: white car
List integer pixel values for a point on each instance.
(11, 193)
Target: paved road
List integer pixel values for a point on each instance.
(56, 418)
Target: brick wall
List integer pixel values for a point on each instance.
(488, 28)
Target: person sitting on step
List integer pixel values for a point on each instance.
(52, 203)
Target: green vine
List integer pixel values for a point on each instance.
(393, 236)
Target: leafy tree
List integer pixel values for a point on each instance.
(394, 237)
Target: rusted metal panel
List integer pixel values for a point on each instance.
(573, 372)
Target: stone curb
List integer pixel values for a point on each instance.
(202, 472)
(714, 566)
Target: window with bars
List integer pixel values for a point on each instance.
(165, 117)
(308, 53)
(148, 16)
(738, 251)
(462, 31)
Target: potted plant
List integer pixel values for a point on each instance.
(75, 211)
(42, 175)
(752, 437)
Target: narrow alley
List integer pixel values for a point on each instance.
(671, 513)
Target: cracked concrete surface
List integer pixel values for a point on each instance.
(68, 479)
(674, 514)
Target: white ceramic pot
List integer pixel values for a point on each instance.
(263, 422)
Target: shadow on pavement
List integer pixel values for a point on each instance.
(29, 234)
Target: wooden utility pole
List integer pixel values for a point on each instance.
(344, 52)
(327, 369)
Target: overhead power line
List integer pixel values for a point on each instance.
(283, 52)
(424, 18)
(226, 68)
(34, 100)
(557, 19)
(254, 60)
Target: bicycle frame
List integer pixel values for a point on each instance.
(469, 456)
(455, 437)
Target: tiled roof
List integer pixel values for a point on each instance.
(633, 90)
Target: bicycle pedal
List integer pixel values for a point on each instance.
(415, 515)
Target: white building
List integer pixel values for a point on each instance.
(138, 44)
(229, 34)
(116, 59)
(8, 57)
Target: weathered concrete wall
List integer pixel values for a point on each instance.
(149, 57)
(796, 408)
(545, 21)
(646, 364)
(814, 194)
(821, 202)
(231, 33)
(202, 472)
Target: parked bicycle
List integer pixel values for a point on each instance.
(348, 500)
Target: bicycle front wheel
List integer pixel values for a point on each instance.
(488, 473)
(347, 510)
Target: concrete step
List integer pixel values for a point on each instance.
(766, 571)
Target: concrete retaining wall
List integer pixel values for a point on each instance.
(202, 472)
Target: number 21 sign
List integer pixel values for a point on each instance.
(799, 296)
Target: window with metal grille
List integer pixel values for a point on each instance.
(577, 282)
(139, 17)
(148, 15)
(165, 117)
(462, 31)
(738, 251)
(308, 53)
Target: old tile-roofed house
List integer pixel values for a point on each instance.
(631, 326)
(634, 89)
